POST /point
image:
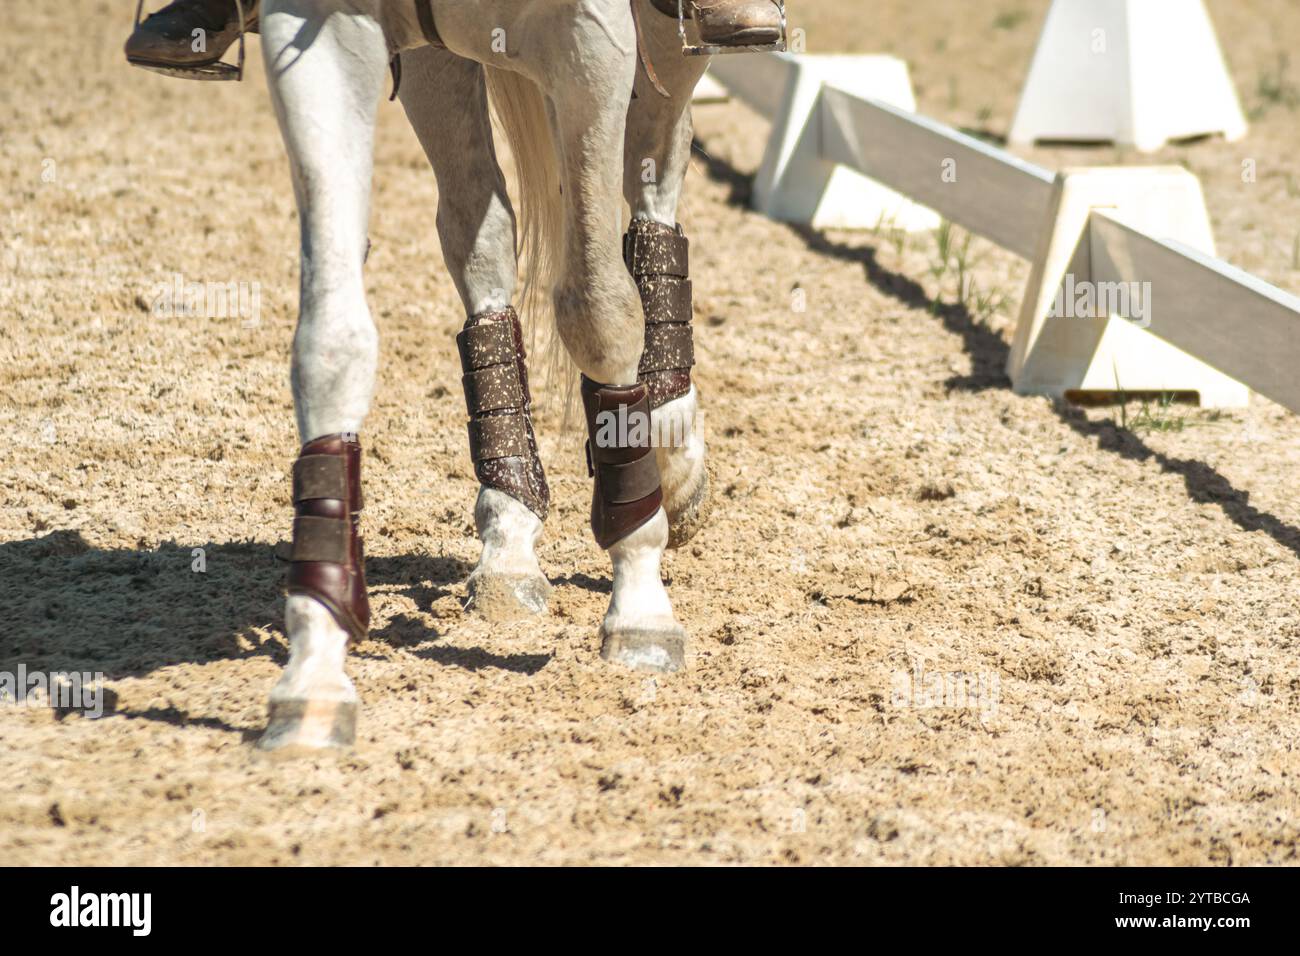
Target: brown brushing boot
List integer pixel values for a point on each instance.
(501, 439)
(328, 563)
(626, 494)
(504, 450)
(658, 257)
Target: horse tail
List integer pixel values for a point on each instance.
(521, 112)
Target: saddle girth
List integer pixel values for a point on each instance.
(424, 10)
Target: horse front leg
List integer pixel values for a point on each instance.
(600, 321)
(325, 66)
(445, 98)
(655, 248)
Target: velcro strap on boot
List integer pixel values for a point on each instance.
(485, 345)
(617, 412)
(621, 484)
(498, 436)
(493, 388)
(320, 476)
(667, 347)
(321, 472)
(321, 539)
(665, 299)
(656, 253)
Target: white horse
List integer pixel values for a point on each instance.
(562, 75)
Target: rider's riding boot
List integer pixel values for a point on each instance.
(731, 22)
(189, 33)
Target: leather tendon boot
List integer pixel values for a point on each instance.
(621, 459)
(327, 560)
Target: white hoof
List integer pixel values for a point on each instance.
(313, 707)
(507, 597)
(309, 726)
(507, 583)
(658, 651)
(639, 630)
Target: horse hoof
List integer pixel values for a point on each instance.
(309, 726)
(683, 525)
(508, 597)
(656, 651)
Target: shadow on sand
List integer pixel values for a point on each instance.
(70, 607)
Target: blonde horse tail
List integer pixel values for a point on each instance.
(521, 112)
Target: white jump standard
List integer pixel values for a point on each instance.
(1134, 72)
(1231, 331)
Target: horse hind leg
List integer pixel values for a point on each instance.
(445, 99)
(599, 319)
(325, 69)
(656, 157)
